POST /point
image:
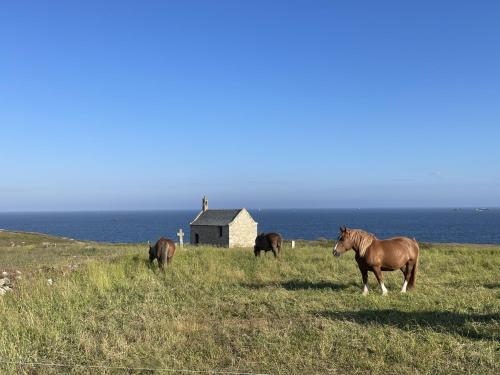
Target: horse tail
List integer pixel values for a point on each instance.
(162, 250)
(411, 282)
(280, 242)
(276, 246)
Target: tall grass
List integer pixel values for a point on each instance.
(224, 309)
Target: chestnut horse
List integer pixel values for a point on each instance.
(162, 251)
(377, 255)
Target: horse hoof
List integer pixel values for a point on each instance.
(364, 293)
(403, 291)
(385, 293)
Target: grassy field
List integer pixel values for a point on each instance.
(224, 310)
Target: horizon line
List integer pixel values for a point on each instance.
(250, 208)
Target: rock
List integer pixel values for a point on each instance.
(5, 274)
(4, 281)
(50, 281)
(2, 291)
(19, 277)
(7, 288)
(18, 272)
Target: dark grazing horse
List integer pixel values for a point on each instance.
(268, 242)
(377, 255)
(162, 251)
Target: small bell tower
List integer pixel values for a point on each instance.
(204, 203)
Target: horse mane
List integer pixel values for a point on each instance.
(362, 240)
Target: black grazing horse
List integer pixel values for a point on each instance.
(268, 242)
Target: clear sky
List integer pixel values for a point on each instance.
(151, 104)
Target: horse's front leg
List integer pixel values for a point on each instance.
(364, 275)
(380, 278)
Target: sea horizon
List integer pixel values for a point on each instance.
(252, 209)
(477, 225)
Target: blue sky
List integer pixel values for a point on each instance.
(150, 105)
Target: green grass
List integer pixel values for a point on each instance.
(219, 309)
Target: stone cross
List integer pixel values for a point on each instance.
(293, 244)
(180, 234)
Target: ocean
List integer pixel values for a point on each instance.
(426, 225)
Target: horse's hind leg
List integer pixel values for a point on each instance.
(407, 274)
(403, 269)
(276, 252)
(161, 263)
(380, 278)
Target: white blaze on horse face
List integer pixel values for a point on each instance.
(335, 248)
(403, 289)
(365, 290)
(384, 289)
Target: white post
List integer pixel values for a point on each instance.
(180, 234)
(293, 244)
